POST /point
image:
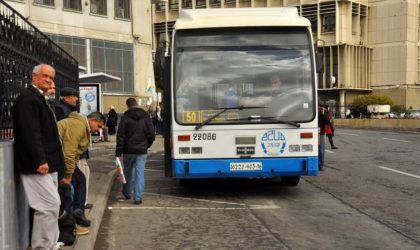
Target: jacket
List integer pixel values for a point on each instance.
(112, 118)
(36, 134)
(75, 135)
(135, 133)
(63, 110)
(322, 121)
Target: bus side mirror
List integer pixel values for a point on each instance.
(319, 61)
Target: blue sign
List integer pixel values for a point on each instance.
(90, 97)
(273, 143)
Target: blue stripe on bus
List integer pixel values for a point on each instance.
(220, 168)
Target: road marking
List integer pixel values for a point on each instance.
(155, 160)
(253, 207)
(153, 170)
(159, 189)
(329, 151)
(400, 172)
(195, 199)
(108, 155)
(96, 148)
(389, 139)
(347, 134)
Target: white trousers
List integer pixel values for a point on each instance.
(84, 167)
(43, 197)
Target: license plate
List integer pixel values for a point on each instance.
(244, 166)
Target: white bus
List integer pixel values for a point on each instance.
(240, 95)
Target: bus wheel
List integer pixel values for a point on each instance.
(290, 180)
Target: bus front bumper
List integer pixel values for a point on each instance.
(245, 168)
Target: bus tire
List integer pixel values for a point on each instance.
(290, 180)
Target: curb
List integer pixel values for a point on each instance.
(99, 190)
(100, 199)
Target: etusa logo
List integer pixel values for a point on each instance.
(273, 143)
(90, 97)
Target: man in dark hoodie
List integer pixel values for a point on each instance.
(135, 135)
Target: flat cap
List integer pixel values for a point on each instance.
(67, 91)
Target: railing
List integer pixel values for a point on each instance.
(22, 46)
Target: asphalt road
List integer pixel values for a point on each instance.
(368, 197)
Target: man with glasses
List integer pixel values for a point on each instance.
(38, 156)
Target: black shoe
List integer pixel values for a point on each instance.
(80, 218)
(89, 206)
(321, 168)
(127, 196)
(138, 202)
(334, 147)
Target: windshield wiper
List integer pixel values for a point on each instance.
(273, 118)
(222, 110)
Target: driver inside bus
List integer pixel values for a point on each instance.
(276, 85)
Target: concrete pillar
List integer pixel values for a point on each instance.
(342, 103)
(14, 210)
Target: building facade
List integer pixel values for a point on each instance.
(109, 36)
(369, 46)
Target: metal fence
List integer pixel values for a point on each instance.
(22, 46)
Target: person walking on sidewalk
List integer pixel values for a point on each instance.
(329, 126)
(38, 157)
(112, 120)
(321, 130)
(135, 135)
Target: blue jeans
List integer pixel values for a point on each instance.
(321, 151)
(136, 162)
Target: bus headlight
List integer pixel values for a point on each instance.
(294, 148)
(184, 150)
(307, 148)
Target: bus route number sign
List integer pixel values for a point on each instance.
(198, 116)
(191, 117)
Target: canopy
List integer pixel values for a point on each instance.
(98, 78)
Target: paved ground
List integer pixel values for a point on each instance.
(368, 198)
(102, 167)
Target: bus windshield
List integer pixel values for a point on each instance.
(223, 68)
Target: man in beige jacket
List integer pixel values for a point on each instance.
(75, 136)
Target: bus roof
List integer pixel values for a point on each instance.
(240, 17)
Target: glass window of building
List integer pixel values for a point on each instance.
(328, 23)
(187, 4)
(122, 9)
(73, 5)
(45, 2)
(116, 59)
(160, 6)
(98, 7)
(75, 46)
(173, 4)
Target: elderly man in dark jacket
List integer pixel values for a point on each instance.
(38, 156)
(68, 103)
(135, 135)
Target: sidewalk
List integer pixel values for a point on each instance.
(102, 175)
